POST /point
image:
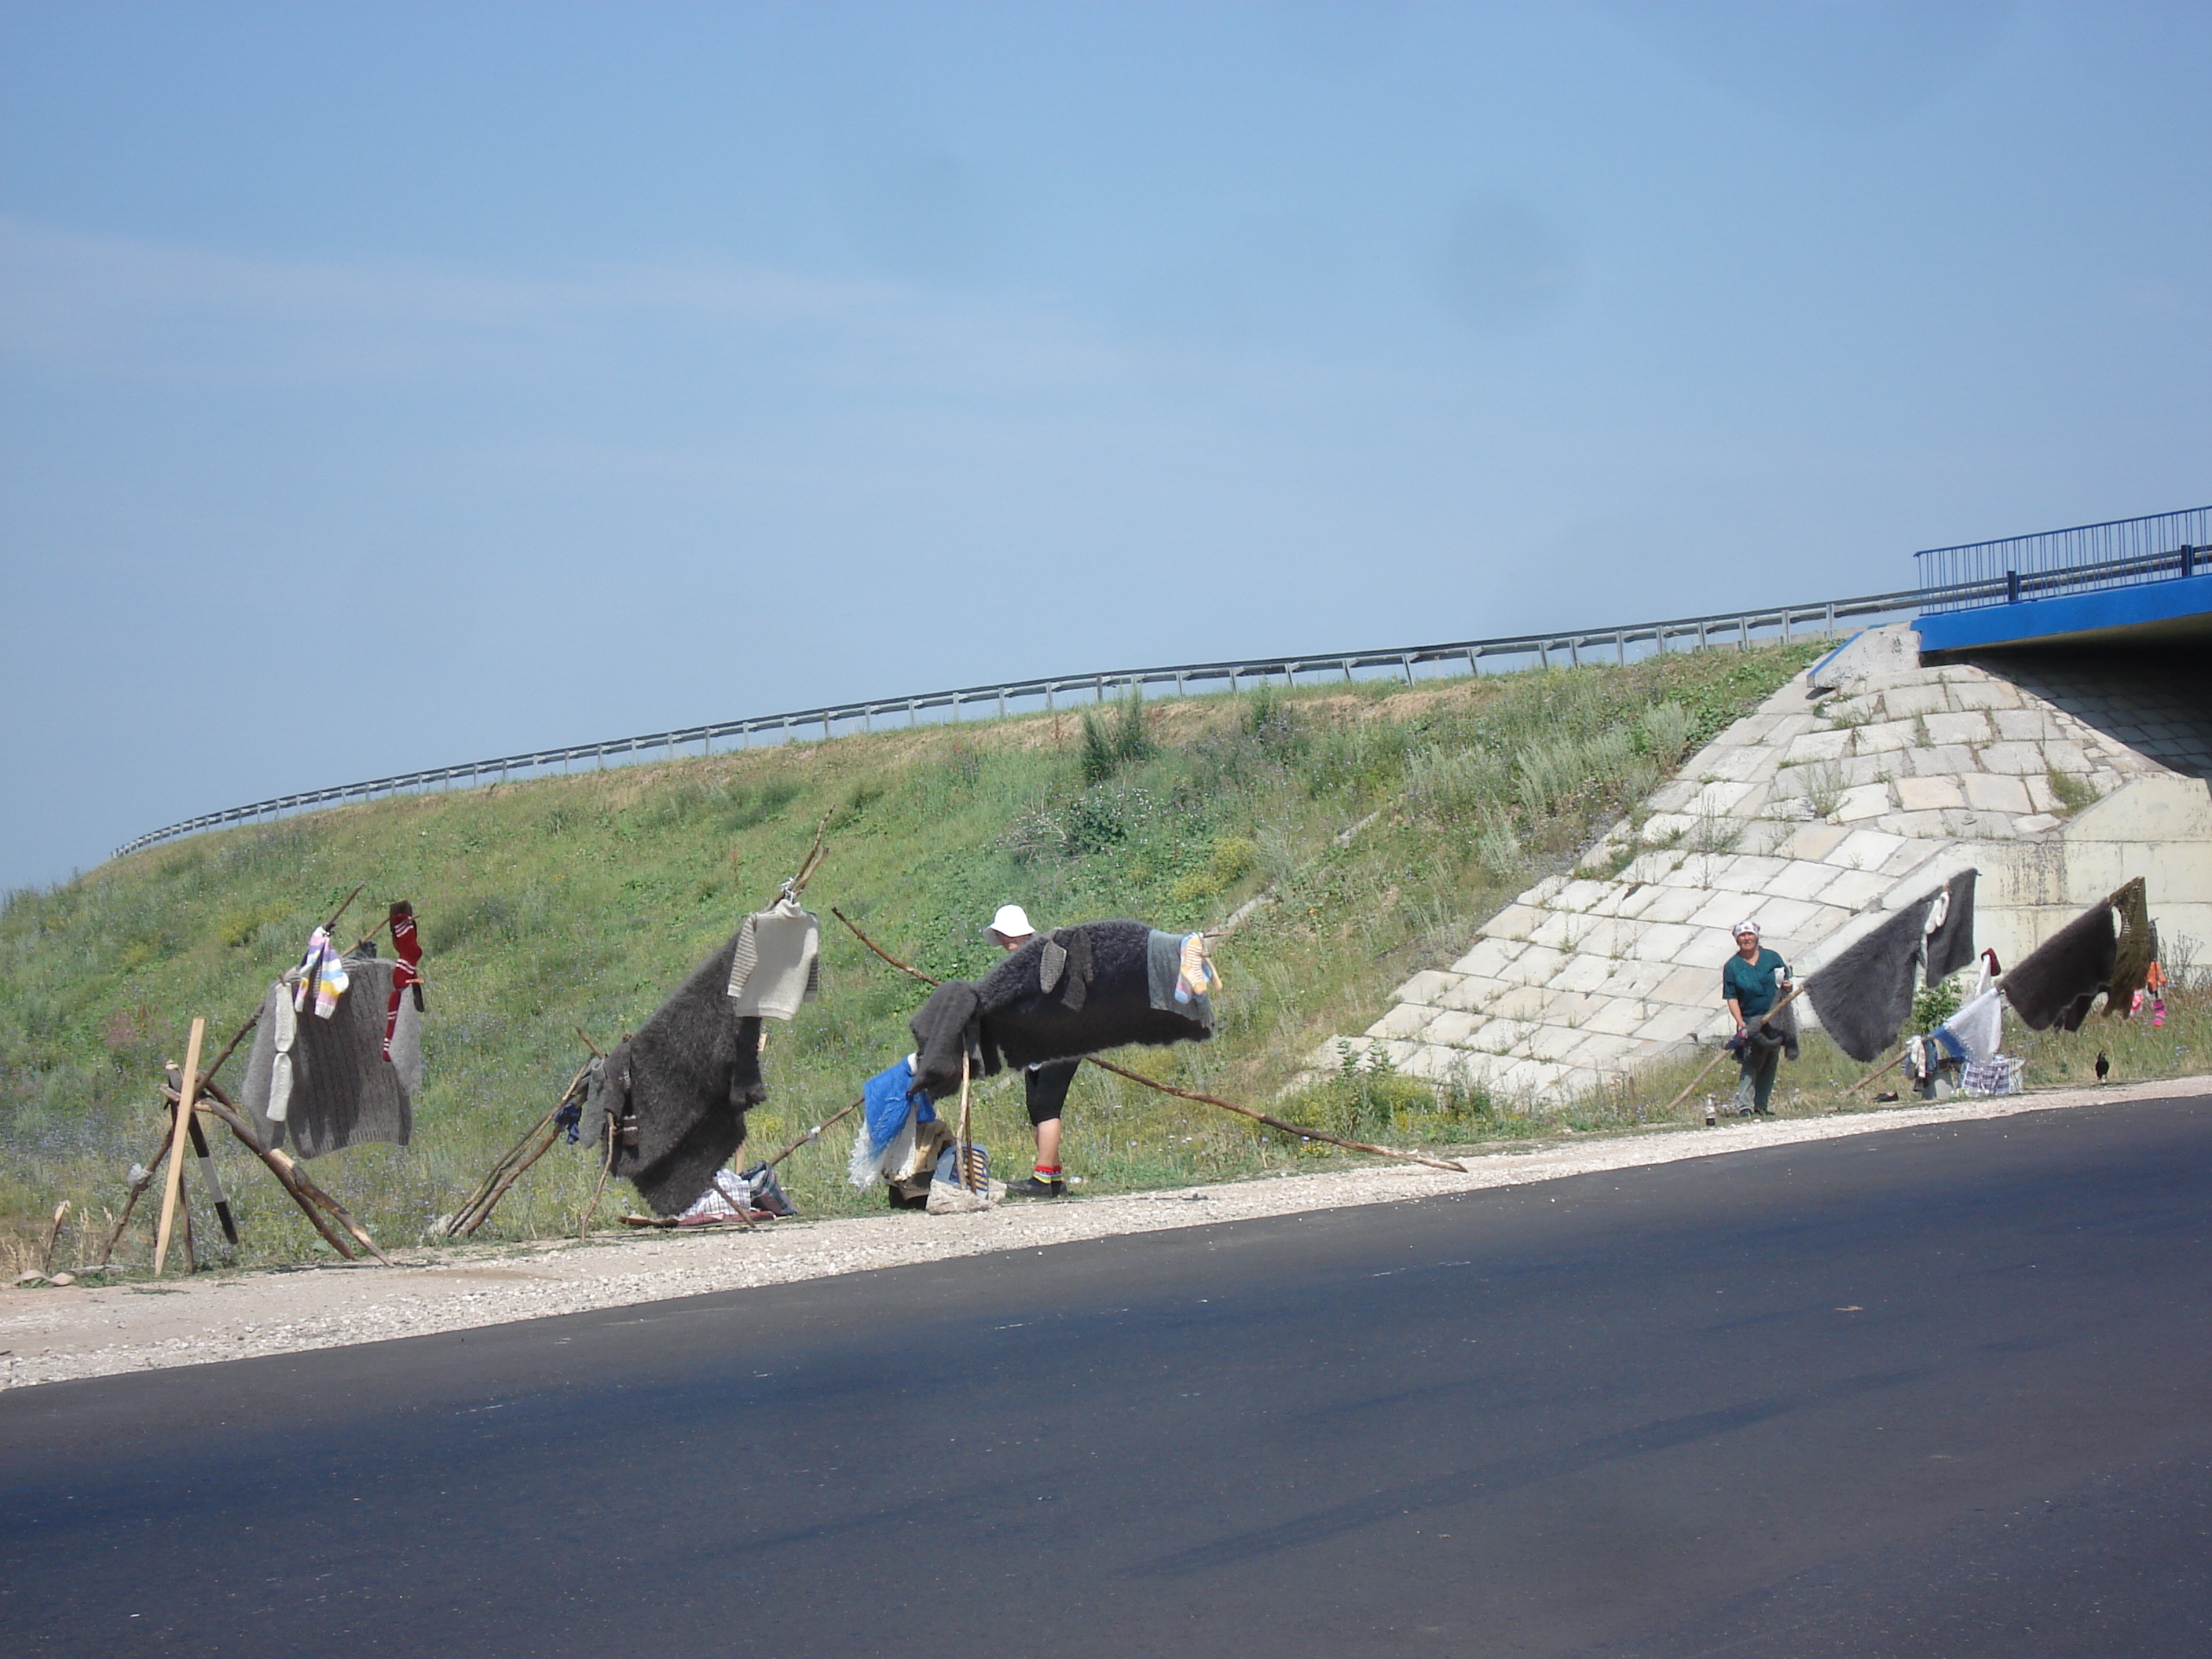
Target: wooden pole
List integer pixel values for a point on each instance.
(481, 1191)
(252, 1020)
(178, 1130)
(210, 1178)
(966, 1183)
(288, 1170)
(138, 1189)
(344, 904)
(54, 1236)
(815, 1134)
(1278, 1123)
(814, 858)
(1889, 1065)
(511, 1169)
(477, 1208)
(371, 933)
(342, 1215)
(1703, 1074)
(216, 1193)
(1723, 1055)
(279, 1165)
(903, 967)
(584, 1221)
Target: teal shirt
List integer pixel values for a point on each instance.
(1752, 984)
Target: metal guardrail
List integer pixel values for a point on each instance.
(1541, 650)
(2119, 553)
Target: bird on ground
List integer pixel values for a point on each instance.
(2104, 1065)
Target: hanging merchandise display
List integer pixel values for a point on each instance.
(320, 979)
(334, 1081)
(1114, 983)
(1864, 995)
(2136, 949)
(2109, 948)
(1951, 928)
(407, 974)
(1977, 1031)
(776, 964)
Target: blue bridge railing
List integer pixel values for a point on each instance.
(2121, 553)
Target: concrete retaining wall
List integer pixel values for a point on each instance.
(1853, 790)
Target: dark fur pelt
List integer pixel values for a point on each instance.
(1017, 1022)
(1951, 946)
(2056, 983)
(689, 1075)
(2136, 949)
(942, 1028)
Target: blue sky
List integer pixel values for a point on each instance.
(541, 373)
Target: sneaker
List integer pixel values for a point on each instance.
(1034, 1188)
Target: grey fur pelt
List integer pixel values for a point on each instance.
(1016, 1022)
(344, 1090)
(1865, 996)
(689, 1074)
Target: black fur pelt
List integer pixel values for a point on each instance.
(2055, 983)
(688, 1075)
(1014, 1021)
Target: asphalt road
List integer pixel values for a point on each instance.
(1939, 1391)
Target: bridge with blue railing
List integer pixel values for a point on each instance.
(2145, 580)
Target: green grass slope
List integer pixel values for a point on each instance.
(578, 902)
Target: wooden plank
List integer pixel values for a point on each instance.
(174, 1178)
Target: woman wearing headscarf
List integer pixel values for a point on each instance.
(1752, 980)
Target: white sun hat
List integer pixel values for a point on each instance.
(1743, 928)
(1012, 922)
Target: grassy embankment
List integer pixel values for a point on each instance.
(580, 901)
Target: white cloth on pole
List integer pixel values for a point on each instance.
(1979, 1026)
(778, 963)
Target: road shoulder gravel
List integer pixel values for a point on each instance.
(55, 1334)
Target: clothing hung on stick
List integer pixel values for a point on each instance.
(1951, 935)
(1864, 996)
(1976, 1032)
(320, 979)
(677, 1092)
(2136, 951)
(1178, 975)
(2056, 983)
(327, 1082)
(1011, 1018)
(407, 973)
(889, 1141)
(1064, 965)
(777, 962)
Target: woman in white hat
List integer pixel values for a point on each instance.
(1753, 980)
(1045, 1086)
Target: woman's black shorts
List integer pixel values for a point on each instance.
(1048, 1088)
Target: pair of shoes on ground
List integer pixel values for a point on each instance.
(1034, 1188)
